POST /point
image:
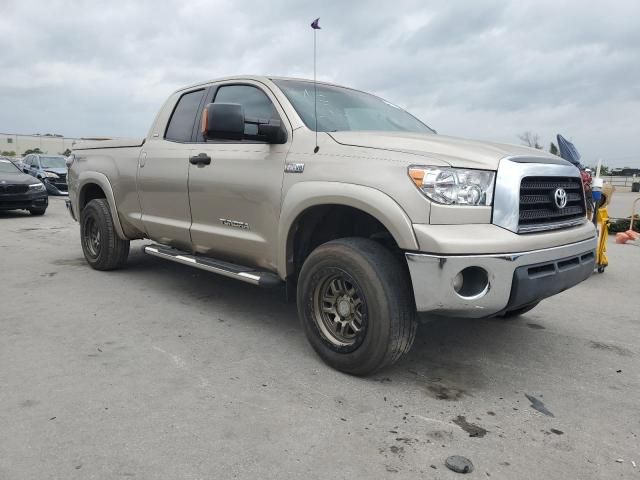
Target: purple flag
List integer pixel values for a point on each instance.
(315, 25)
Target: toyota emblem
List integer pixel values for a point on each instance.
(560, 197)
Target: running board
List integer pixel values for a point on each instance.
(246, 274)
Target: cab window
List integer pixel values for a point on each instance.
(184, 116)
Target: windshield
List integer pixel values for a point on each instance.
(52, 162)
(343, 109)
(7, 166)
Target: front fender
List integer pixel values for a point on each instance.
(102, 181)
(304, 195)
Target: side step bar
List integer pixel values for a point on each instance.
(246, 274)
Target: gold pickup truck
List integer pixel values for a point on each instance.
(359, 210)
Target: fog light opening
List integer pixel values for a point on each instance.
(472, 282)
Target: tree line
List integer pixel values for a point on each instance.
(532, 140)
(12, 153)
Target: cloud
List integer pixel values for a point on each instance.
(482, 68)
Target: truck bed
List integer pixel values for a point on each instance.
(109, 143)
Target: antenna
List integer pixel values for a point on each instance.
(315, 26)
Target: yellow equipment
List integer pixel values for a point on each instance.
(602, 220)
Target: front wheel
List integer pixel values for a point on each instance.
(37, 211)
(356, 305)
(102, 247)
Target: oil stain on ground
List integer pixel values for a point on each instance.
(537, 404)
(471, 428)
(72, 262)
(444, 392)
(623, 352)
(535, 326)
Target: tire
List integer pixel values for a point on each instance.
(512, 314)
(102, 247)
(37, 211)
(369, 287)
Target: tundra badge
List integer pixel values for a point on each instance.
(235, 223)
(294, 168)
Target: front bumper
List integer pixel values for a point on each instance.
(512, 279)
(24, 201)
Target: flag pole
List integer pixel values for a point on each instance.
(315, 26)
(315, 90)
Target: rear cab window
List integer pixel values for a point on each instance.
(183, 118)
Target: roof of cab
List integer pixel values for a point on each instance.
(257, 78)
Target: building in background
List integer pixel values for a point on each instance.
(54, 144)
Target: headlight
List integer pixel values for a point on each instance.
(50, 175)
(454, 186)
(36, 187)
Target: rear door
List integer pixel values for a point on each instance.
(236, 199)
(163, 172)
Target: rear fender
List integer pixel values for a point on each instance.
(86, 178)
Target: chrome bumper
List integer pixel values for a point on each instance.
(512, 278)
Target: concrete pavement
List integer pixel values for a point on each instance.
(160, 371)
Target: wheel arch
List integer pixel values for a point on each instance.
(93, 185)
(304, 198)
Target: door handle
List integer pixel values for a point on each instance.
(200, 159)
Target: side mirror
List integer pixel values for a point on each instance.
(223, 120)
(272, 131)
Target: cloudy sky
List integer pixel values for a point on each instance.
(477, 68)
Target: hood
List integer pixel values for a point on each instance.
(457, 152)
(17, 178)
(57, 170)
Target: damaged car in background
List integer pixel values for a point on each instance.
(49, 169)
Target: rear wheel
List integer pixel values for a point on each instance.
(356, 305)
(102, 247)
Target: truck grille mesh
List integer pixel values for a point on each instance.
(538, 208)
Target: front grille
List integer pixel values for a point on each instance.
(13, 189)
(539, 209)
(14, 204)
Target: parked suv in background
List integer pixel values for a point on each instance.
(50, 169)
(19, 191)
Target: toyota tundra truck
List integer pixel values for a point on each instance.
(355, 208)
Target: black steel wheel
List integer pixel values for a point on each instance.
(103, 249)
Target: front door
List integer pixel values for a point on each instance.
(236, 199)
(163, 170)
